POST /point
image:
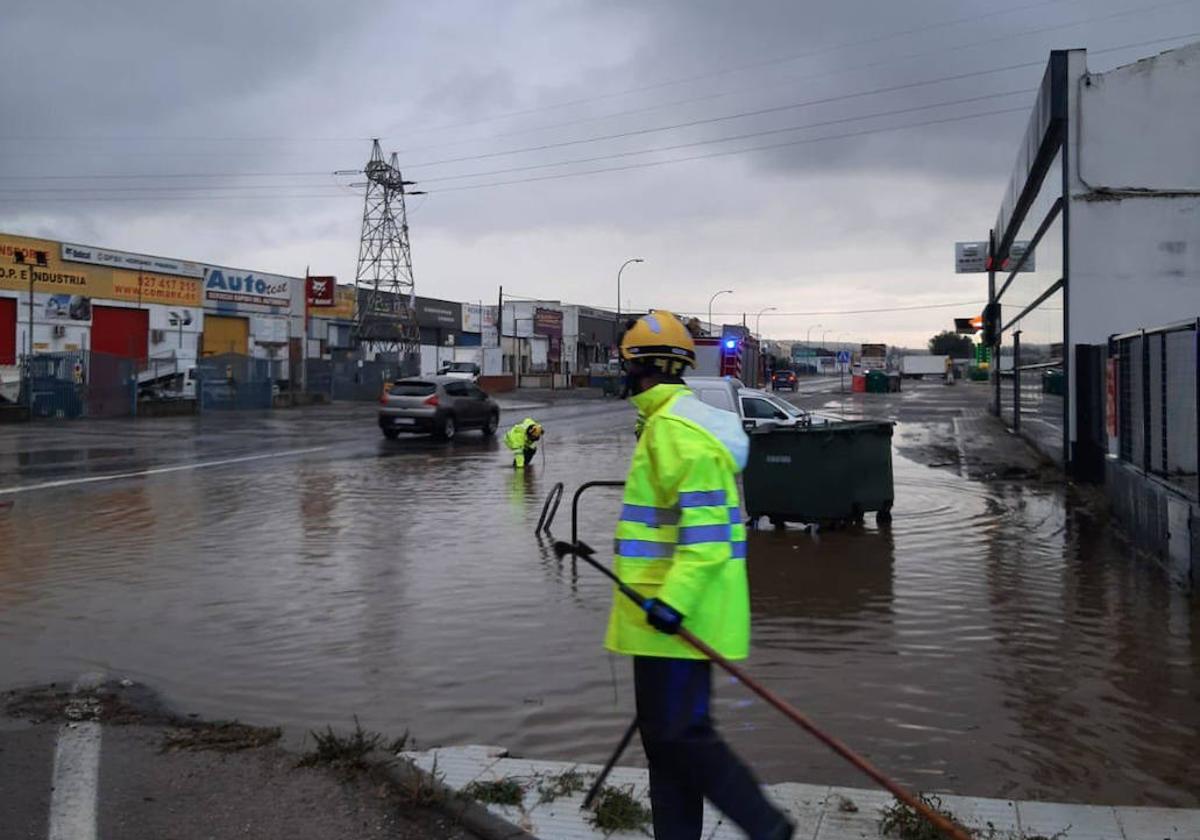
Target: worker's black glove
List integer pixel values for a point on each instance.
(662, 616)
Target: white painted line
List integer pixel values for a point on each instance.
(75, 782)
(67, 482)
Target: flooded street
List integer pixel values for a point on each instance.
(998, 640)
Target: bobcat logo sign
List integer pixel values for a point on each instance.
(321, 291)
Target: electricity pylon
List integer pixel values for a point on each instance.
(384, 278)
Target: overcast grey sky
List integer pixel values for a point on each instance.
(263, 100)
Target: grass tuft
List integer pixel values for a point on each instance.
(498, 792)
(903, 822)
(567, 783)
(616, 810)
(342, 752)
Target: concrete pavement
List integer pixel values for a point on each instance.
(109, 762)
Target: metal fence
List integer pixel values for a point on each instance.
(231, 382)
(350, 379)
(79, 383)
(1157, 413)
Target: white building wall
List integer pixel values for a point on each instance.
(1134, 184)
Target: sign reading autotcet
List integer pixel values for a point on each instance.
(223, 285)
(132, 262)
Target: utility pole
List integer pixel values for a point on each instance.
(385, 272)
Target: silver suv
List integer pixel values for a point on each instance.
(441, 405)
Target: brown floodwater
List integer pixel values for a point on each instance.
(998, 640)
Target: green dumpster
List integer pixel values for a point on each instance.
(877, 382)
(831, 473)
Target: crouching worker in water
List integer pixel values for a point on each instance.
(522, 440)
(681, 542)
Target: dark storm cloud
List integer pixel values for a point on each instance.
(134, 87)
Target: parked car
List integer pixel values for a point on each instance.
(440, 405)
(781, 379)
(755, 408)
(758, 408)
(460, 370)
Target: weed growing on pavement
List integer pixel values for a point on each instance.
(498, 792)
(616, 810)
(421, 788)
(221, 736)
(567, 783)
(901, 821)
(342, 752)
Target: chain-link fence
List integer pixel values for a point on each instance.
(79, 383)
(231, 382)
(350, 379)
(1156, 374)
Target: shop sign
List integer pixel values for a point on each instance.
(549, 322)
(226, 286)
(438, 313)
(476, 317)
(89, 281)
(131, 262)
(321, 291)
(344, 305)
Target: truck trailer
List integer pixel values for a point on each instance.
(916, 367)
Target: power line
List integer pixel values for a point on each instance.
(1022, 109)
(747, 136)
(652, 150)
(736, 116)
(648, 163)
(1040, 62)
(741, 68)
(842, 311)
(794, 79)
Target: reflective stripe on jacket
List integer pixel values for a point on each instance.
(681, 537)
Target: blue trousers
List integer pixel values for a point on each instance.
(688, 760)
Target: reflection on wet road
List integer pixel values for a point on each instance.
(998, 640)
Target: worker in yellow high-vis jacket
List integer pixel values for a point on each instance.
(681, 542)
(522, 439)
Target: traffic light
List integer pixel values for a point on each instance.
(991, 324)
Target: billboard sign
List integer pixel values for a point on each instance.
(130, 262)
(88, 280)
(549, 322)
(972, 257)
(441, 314)
(222, 285)
(321, 291)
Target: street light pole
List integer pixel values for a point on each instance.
(758, 319)
(617, 323)
(710, 303)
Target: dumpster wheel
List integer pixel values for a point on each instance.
(883, 517)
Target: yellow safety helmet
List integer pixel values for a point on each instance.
(661, 341)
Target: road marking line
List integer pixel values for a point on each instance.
(76, 782)
(67, 482)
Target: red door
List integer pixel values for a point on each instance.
(8, 331)
(120, 332)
